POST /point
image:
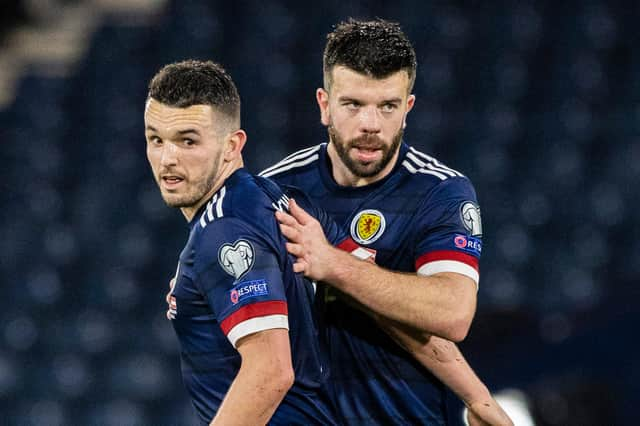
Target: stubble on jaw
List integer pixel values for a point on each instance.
(358, 169)
(194, 195)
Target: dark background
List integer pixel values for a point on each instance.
(536, 101)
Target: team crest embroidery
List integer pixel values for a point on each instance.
(470, 215)
(237, 258)
(367, 226)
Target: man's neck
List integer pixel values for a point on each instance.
(227, 170)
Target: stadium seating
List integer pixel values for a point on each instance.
(537, 102)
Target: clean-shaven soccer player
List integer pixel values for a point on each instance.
(417, 218)
(246, 325)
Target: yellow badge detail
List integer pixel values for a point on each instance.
(367, 226)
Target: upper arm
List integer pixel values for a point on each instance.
(270, 347)
(450, 232)
(242, 280)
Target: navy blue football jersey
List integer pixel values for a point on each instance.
(423, 217)
(235, 278)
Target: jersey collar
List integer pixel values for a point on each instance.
(233, 179)
(326, 175)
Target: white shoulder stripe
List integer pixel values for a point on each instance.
(223, 192)
(421, 164)
(435, 162)
(302, 151)
(300, 155)
(290, 166)
(414, 170)
(208, 215)
(255, 325)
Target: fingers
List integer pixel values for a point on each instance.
(172, 284)
(299, 266)
(298, 212)
(295, 249)
(286, 218)
(290, 233)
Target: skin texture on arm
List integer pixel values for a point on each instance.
(265, 376)
(446, 362)
(442, 304)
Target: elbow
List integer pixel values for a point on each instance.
(458, 327)
(462, 317)
(287, 378)
(282, 379)
(457, 332)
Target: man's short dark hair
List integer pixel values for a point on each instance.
(192, 82)
(376, 48)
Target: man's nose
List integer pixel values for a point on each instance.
(370, 119)
(169, 155)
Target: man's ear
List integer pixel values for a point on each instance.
(233, 144)
(411, 100)
(322, 97)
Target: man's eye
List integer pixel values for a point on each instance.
(352, 105)
(155, 140)
(189, 142)
(388, 107)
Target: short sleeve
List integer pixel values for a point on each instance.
(241, 278)
(450, 231)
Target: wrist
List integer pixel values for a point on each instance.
(338, 267)
(480, 396)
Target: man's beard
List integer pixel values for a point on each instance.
(194, 195)
(360, 169)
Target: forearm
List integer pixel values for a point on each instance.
(251, 400)
(265, 376)
(436, 304)
(445, 361)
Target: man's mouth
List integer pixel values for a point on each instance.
(367, 154)
(171, 181)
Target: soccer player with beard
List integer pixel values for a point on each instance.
(245, 321)
(416, 218)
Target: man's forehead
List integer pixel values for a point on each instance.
(158, 109)
(164, 115)
(345, 80)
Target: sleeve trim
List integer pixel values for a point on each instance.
(347, 245)
(254, 310)
(467, 259)
(255, 325)
(356, 250)
(438, 266)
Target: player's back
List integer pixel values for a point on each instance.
(234, 279)
(395, 219)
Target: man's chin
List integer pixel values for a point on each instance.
(365, 170)
(176, 202)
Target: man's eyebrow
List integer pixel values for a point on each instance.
(384, 101)
(392, 101)
(186, 131)
(347, 98)
(178, 132)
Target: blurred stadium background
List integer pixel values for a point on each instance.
(538, 102)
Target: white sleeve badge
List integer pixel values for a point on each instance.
(470, 215)
(237, 258)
